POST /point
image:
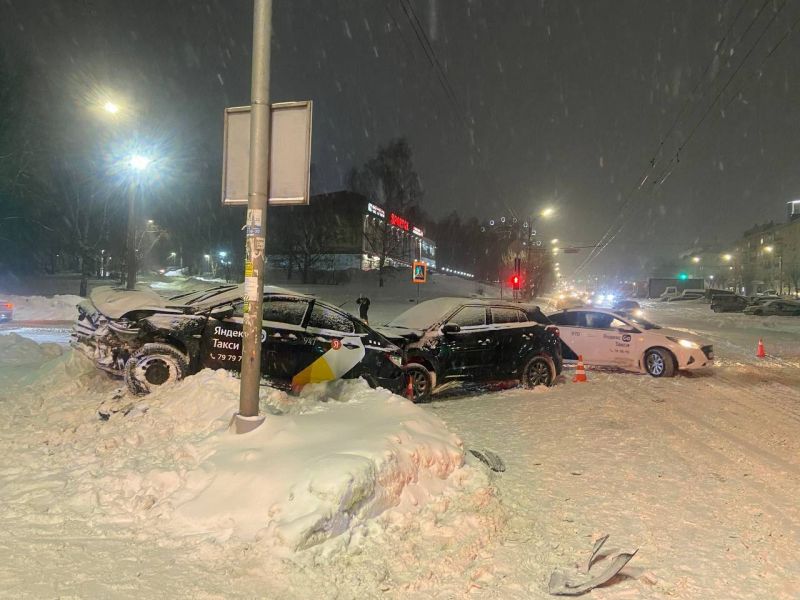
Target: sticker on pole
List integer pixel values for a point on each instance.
(289, 157)
(419, 272)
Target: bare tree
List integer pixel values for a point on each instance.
(307, 240)
(388, 179)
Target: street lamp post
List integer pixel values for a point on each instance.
(138, 164)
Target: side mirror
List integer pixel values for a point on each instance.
(451, 328)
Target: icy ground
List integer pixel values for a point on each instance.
(700, 472)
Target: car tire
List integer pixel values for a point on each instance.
(421, 382)
(154, 365)
(659, 363)
(540, 370)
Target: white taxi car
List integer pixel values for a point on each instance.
(610, 339)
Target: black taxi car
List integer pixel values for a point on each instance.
(150, 340)
(475, 340)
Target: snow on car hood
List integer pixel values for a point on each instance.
(422, 316)
(116, 302)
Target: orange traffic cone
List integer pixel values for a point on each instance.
(580, 373)
(409, 388)
(760, 351)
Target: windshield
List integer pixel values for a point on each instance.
(426, 314)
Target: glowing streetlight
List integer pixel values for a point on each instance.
(138, 162)
(695, 259)
(554, 241)
(768, 248)
(223, 254)
(111, 107)
(207, 256)
(727, 257)
(547, 212)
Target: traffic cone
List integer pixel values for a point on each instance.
(580, 373)
(409, 388)
(760, 351)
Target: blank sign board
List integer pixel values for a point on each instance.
(290, 154)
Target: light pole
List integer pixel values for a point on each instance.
(137, 164)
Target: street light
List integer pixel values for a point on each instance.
(554, 241)
(547, 212)
(138, 164)
(768, 249)
(727, 257)
(111, 107)
(695, 259)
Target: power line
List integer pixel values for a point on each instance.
(676, 157)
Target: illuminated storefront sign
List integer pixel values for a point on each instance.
(376, 210)
(399, 221)
(417, 231)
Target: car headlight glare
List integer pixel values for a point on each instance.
(684, 343)
(397, 360)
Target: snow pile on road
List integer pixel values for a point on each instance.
(323, 467)
(341, 456)
(18, 351)
(41, 308)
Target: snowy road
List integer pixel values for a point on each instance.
(700, 472)
(56, 332)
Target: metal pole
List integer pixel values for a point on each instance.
(130, 283)
(257, 196)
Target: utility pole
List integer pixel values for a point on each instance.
(130, 283)
(248, 418)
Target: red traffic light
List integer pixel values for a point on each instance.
(515, 281)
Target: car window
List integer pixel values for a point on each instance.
(283, 310)
(469, 316)
(568, 319)
(327, 318)
(617, 324)
(507, 315)
(595, 320)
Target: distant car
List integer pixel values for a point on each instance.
(461, 339)
(6, 311)
(782, 308)
(628, 306)
(610, 339)
(687, 295)
(728, 303)
(568, 301)
(150, 341)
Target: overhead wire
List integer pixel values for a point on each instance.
(675, 159)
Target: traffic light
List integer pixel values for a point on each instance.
(683, 276)
(515, 281)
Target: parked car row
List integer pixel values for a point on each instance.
(757, 305)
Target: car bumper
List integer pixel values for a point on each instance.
(5, 316)
(700, 358)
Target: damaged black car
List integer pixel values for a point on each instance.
(150, 340)
(467, 340)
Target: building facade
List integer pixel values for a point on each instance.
(344, 230)
(768, 256)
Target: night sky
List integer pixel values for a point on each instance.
(541, 103)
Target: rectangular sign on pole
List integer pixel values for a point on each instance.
(419, 273)
(290, 155)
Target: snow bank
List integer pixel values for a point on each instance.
(348, 455)
(40, 308)
(321, 468)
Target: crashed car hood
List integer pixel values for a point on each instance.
(117, 302)
(399, 333)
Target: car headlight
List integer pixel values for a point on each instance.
(397, 360)
(684, 343)
(638, 313)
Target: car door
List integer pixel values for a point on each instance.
(571, 325)
(469, 352)
(332, 348)
(509, 324)
(284, 349)
(605, 343)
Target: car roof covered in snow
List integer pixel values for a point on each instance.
(117, 302)
(430, 312)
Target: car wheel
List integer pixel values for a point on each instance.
(421, 382)
(540, 370)
(659, 363)
(154, 365)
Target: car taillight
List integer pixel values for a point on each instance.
(554, 330)
(8, 305)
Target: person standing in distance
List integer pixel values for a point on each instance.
(363, 308)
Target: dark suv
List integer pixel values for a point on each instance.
(461, 339)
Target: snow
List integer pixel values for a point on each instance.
(347, 492)
(40, 308)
